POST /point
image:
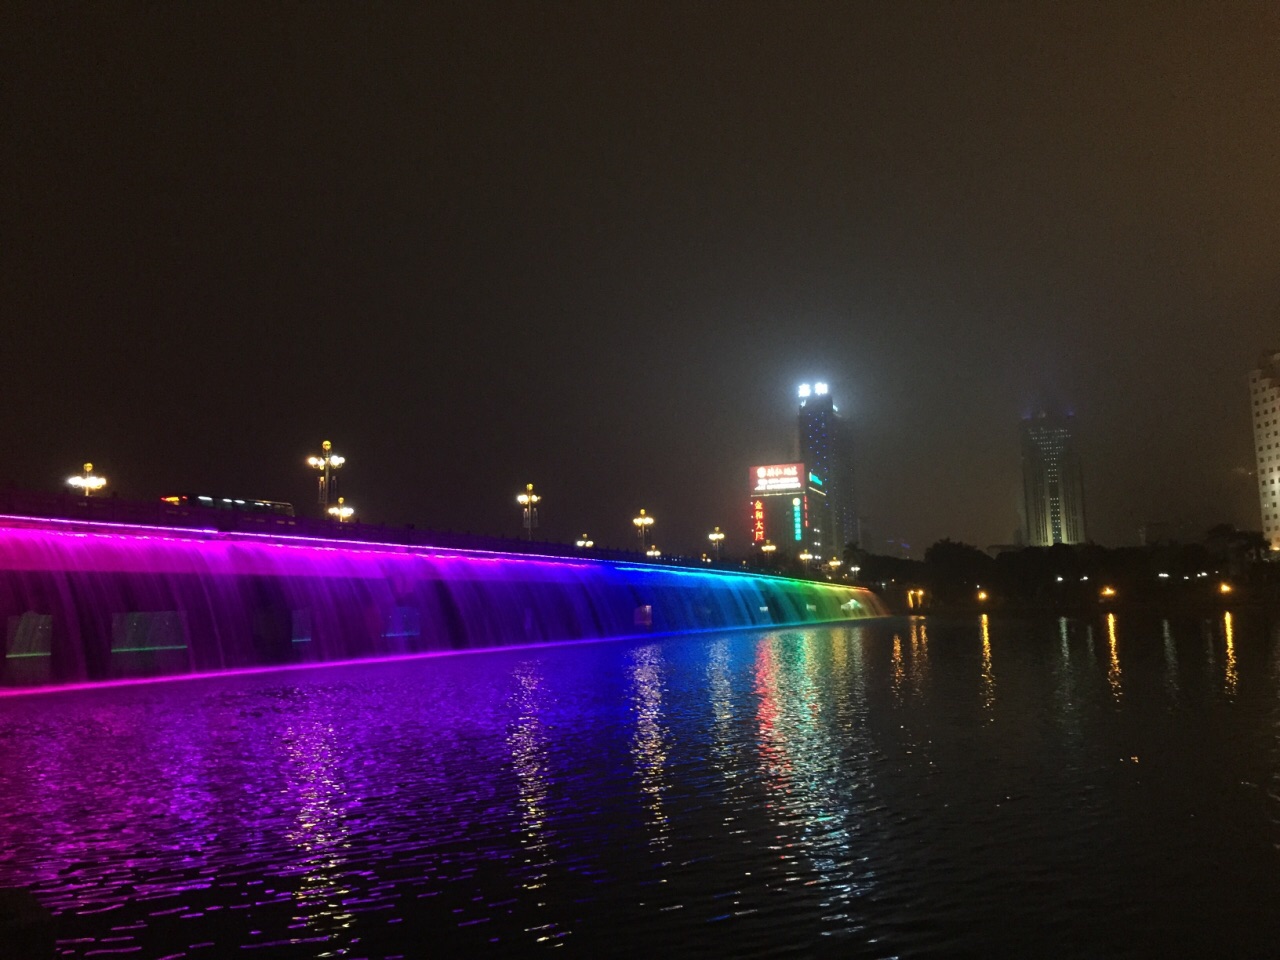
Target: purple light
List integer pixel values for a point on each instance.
(232, 601)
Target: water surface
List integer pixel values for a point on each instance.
(906, 788)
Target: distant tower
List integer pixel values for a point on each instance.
(826, 447)
(1052, 484)
(1264, 382)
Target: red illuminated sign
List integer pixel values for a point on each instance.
(777, 478)
(757, 521)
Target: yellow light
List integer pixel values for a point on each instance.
(1224, 587)
(982, 595)
(87, 482)
(1108, 591)
(768, 547)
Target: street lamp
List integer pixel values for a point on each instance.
(768, 547)
(529, 507)
(87, 481)
(643, 523)
(584, 542)
(716, 538)
(328, 481)
(342, 512)
(653, 552)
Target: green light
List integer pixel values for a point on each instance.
(181, 646)
(23, 656)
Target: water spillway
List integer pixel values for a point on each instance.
(89, 602)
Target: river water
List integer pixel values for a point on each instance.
(892, 788)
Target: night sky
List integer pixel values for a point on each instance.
(596, 246)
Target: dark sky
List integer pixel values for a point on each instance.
(597, 245)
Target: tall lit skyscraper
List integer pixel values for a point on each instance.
(1052, 483)
(1264, 384)
(826, 447)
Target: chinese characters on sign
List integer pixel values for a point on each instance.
(777, 477)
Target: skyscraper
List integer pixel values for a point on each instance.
(1052, 483)
(1264, 384)
(826, 447)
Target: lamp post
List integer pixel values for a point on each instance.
(529, 508)
(584, 542)
(643, 523)
(716, 537)
(87, 481)
(327, 464)
(653, 553)
(342, 513)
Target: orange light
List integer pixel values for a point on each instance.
(982, 595)
(1224, 587)
(1108, 591)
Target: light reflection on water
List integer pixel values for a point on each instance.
(852, 791)
(988, 672)
(1229, 675)
(1113, 665)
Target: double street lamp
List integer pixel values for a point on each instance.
(342, 513)
(716, 537)
(643, 523)
(87, 481)
(327, 464)
(529, 506)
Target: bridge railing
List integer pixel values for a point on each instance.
(110, 509)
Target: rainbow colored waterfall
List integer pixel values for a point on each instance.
(89, 602)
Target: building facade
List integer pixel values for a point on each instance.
(788, 509)
(825, 442)
(1052, 481)
(1264, 388)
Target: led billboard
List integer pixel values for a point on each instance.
(777, 478)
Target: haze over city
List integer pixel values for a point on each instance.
(598, 247)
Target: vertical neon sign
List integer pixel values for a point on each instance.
(757, 521)
(797, 519)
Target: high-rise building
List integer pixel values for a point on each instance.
(1052, 482)
(788, 509)
(1264, 385)
(826, 447)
